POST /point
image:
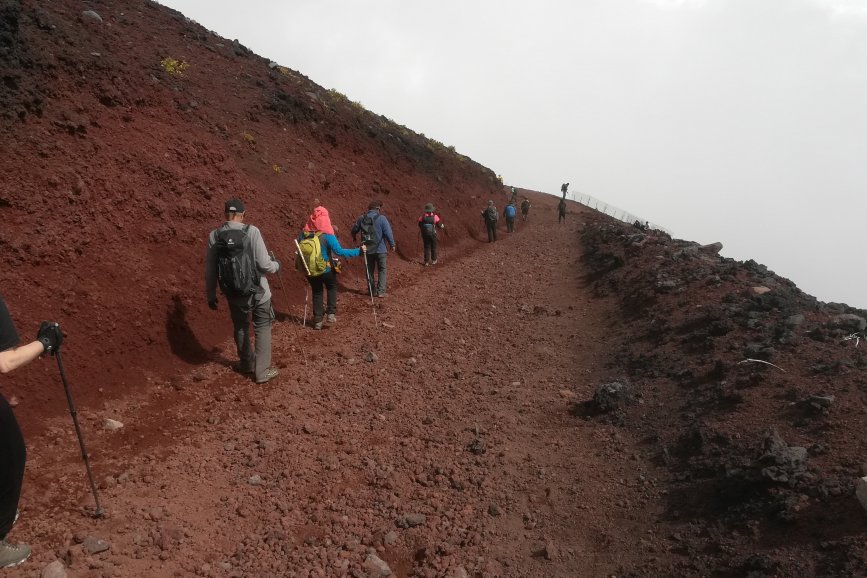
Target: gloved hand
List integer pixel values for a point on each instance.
(363, 248)
(213, 304)
(442, 225)
(50, 336)
(278, 265)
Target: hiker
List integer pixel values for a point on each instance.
(427, 224)
(317, 244)
(13, 453)
(491, 215)
(319, 220)
(514, 198)
(525, 208)
(375, 233)
(236, 260)
(510, 212)
(561, 211)
(563, 188)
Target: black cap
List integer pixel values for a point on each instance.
(234, 206)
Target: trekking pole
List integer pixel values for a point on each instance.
(99, 512)
(280, 279)
(441, 248)
(370, 287)
(306, 268)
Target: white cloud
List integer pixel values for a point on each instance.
(845, 8)
(671, 4)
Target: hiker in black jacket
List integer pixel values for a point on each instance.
(491, 216)
(13, 452)
(428, 224)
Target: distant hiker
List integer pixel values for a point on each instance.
(315, 259)
(563, 188)
(525, 208)
(13, 453)
(427, 224)
(509, 213)
(375, 233)
(236, 259)
(491, 216)
(514, 198)
(561, 210)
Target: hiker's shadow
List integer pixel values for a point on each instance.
(343, 288)
(182, 341)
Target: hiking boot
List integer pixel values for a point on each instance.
(426, 263)
(13, 555)
(434, 262)
(269, 375)
(331, 318)
(317, 325)
(381, 295)
(243, 369)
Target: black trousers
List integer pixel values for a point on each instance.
(561, 217)
(430, 247)
(492, 230)
(510, 224)
(12, 457)
(319, 285)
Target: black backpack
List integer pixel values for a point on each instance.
(428, 225)
(369, 236)
(491, 214)
(236, 268)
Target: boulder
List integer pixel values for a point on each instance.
(712, 248)
(849, 321)
(611, 396)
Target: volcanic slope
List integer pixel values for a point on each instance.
(125, 128)
(439, 441)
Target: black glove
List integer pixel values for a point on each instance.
(50, 336)
(213, 304)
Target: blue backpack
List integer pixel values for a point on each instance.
(510, 211)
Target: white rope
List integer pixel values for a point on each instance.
(761, 361)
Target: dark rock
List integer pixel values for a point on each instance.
(93, 545)
(611, 396)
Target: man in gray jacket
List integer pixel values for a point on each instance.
(236, 259)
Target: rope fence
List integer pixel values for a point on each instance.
(612, 211)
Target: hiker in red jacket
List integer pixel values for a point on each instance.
(427, 224)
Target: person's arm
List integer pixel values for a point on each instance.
(264, 262)
(17, 356)
(334, 247)
(386, 232)
(211, 269)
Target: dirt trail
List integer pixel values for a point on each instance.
(453, 454)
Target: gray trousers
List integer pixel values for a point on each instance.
(377, 261)
(263, 316)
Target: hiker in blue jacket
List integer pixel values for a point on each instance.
(509, 213)
(375, 233)
(327, 281)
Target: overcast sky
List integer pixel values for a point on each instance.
(740, 121)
